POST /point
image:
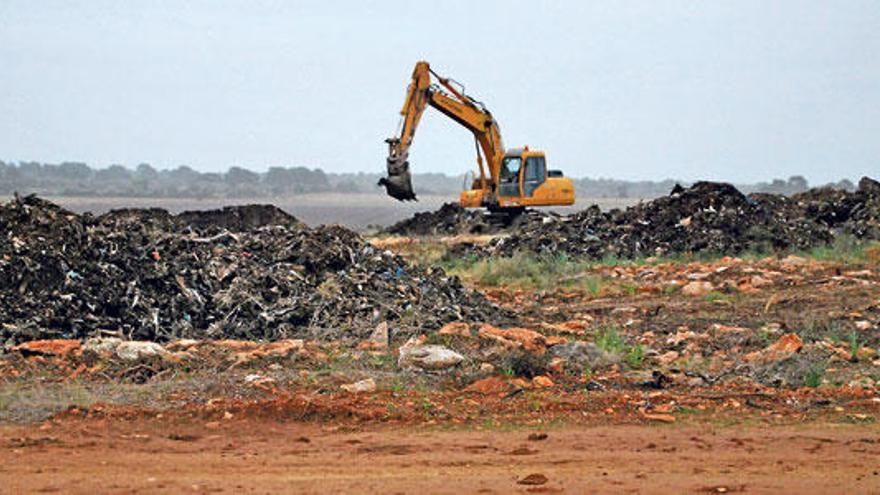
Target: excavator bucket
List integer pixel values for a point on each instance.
(398, 184)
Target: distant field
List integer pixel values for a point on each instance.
(357, 211)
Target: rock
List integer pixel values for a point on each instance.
(697, 288)
(456, 328)
(580, 355)
(102, 345)
(488, 386)
(681, 335)
(787, 345)
(667, 358)
(253, 351)
(533, 479)
(542, 381)
(529, 340)
(181, 344)
(53, 347)
(368, 385)
(794, 260)
(427, 357)
(571, 326)
(864, 382)
(664, 418)
(556, 365)
(380, 335)
(257, 379)
(136, 350)
(487, 368)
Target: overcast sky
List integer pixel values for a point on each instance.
(727, 90)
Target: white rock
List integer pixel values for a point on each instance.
(102, 344)
(134, 350)
(380, 334)
(368, 385)
(697, 288)
(427, 357)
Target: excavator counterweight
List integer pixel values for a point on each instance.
(508, 180)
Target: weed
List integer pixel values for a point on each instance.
(715, 296)
(587, 373)
(608, 339)
(813, 375)
(854, 343)
(635, 356)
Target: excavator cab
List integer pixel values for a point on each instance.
(523, 180)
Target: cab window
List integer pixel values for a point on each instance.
(510, 169)
(535, 169)
(534, 174)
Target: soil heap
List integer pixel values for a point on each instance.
(707, 217)
(250, 272)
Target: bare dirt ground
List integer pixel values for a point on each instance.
(265, 456)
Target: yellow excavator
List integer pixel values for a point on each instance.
(515, 179)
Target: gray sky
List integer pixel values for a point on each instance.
(727, 90)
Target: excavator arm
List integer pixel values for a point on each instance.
(456, 105)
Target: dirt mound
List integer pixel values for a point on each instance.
(234, 273)
(707, 217)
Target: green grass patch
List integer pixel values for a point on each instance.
(527, 271)
(813, 375)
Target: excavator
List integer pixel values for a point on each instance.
(507, 182)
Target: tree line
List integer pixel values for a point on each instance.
(79, 179)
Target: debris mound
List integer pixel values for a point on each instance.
(233, 218)
(706, 217)
(453, 219)
(249, 272)
(449, 219)
(853, 213)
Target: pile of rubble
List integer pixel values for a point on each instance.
(707, 217)
(452, 219)
(249, 272)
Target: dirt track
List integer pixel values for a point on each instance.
(270, 457)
